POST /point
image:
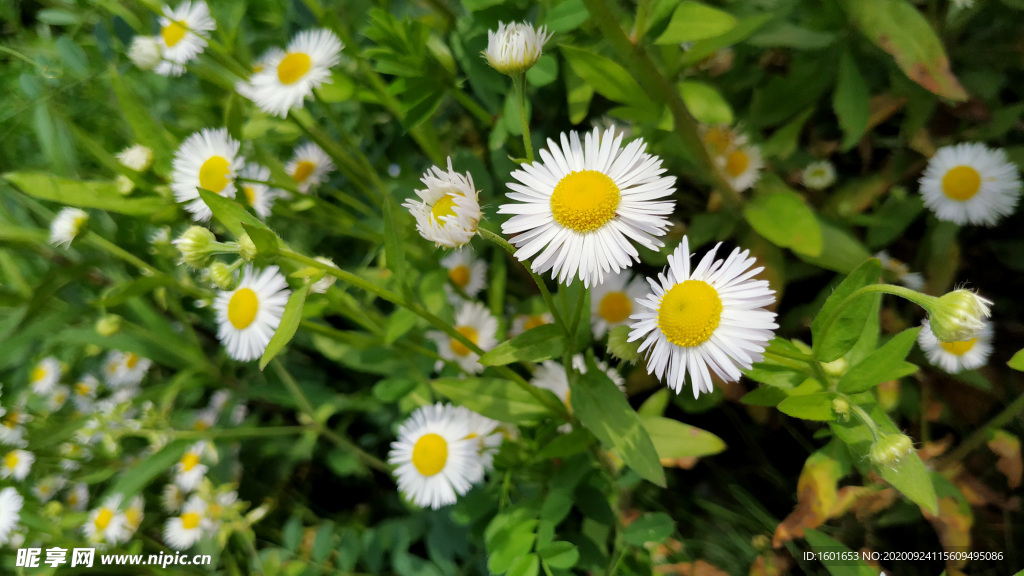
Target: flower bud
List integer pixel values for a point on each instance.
(221, 275)
(836, 367)
(959, 316)
(841, 406)
(145, 52)
(246, 248)
(322, 285)
(136, 157)
(515, 47)
(196, 246)
(125, 185)
(67, 225)
(108, 325)
(890, 450)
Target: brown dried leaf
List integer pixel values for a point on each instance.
(1007, 447)
(816, 498)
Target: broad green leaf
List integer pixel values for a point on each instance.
(788, 35)
(822, 543)
(566, 16)
(850, 100)
(578, 95)
(785, 141)
(399, 324)
(693, 21)
(147, 130)
(651, 527)
(815, 406)
(565, 445)
(289, 324)
(536, 344)
(323, 542)
(775, 375)
(231, 214)
(603, 409)
(393, 248)
(94, 194)
(508, 537)
(1017, 362)
(266, 242)
(495, 398)
(782, 217)
(544, 72)
(885, 363)
(848, 323)
(393, 389)
(899, 28)
(740, 32)
(561, 555)
(673, 439)
(131, 483)
(528, 565)
(764, 396)
(706, 103)
(840, 251)
(655, 404)
(606, 76)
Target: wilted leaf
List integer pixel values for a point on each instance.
(816, 496)
(1007, 447)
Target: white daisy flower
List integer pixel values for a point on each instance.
(260, 64)
(290, 77)
(954, 357)
(134, 513)
(249, 314)
(16, 464)
(448, 210)
(487, 435)
(466, 271)
(579, 208)
(10, 512)
(77, 497)
(48, 487)
(182, 532)
(474, 322)
(550, 375)
(611, 303)
(515, 47)
(57, 397)
(711, 316)
(819, 175)
(741, 166)
(136, 157)
(145, 52)
(172, 497)
(183, 34)
(523, 322)
(207, 159)
(721, 140)
(902, 273)
(309, 167)
(189, 471)
(125, 369)
(324, 284)
(205, 419)
(12, 429)
(257, 195)
(67, 225)
(107, 524)
(969, 183)
(218, 504)
(84, 393)
(436, 461)
(45, 375)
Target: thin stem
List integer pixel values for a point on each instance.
(226, 433)
(866, 419)
(548, 300)
(519, 85)
(472, 106)
(981, 435)
(114, 250)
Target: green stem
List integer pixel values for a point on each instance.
(102, 243)
(226, 433)
(643, 69)
(866, 419)
(472, 106)
(923, 300)
(519, 85)
(548, 300)
(981, 435)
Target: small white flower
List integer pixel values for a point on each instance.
(260, 197)
(125, 369)
(959, 315)
(819, 175)
(324, 284)
(612, 302)
(183, 34)
(466, 271)
(515, 47)
(309, 167)
(474, 322)
(45, 375)
(902, 273)
(107, 525)
(136, 157)
(10, 512)
(134, 513)
(48, 487)
(12, 429)
(741, 166)
(57, 397)
(487, 435)
(83, 393)
(77, 497)
(435, 458)
(207, 159)
(182, 532)
(16, 464)
(248, 315)
(260, 64)
(67, 225)
(190, 470)
(956, 357)
(145, 52)
(970, 184)
(172, 497)
(448, 210)
(290, 77)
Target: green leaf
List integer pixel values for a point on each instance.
(603, 409)
(566, 16)
(884, 364)
(534, 345)
(232, 215)
(544, 72)
(131, 289)
(393, 389)
(822, 543)
(322, 543)
(785, 141)
(899, 28)
(655, 405)
(495, 398)
(814, 406)
(840, 252)
(131, 483)
(508, 537)
(94, 194)
(848, 324)
(578, 95)
(606, 76)
(782, 217)
(673, 439)
(693, 21)
(58, 17)
(706, 103)
(565, 445)
(147, 130)
(393, 249)
(399, 324)
(266, 242)
(289, 324)
(651, 527)
(743, 29)
(1017, 362)
(528, 565)
(775, 375)
(561, 555)
(850, 100)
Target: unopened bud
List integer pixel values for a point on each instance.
(221, 275)
(959, 316)
(836, 367)
(889, 451)
(246, 248)
(196, 246)
(108, 325)
(841, 406)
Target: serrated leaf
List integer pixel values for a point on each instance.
(848, 324)
(673, 439)
(289, 324)
(603, 409)
(884, 364)
(495, 398)
(94, 194)
(782, 217)
(534, 345)
(814, 406)
(693, 21)
(651, 527)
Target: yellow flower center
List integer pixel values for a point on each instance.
(11, 459)
(615, 307)
(585, 200)
(190, 520)
(38, 374)
(131, 360)
(293, 67)
(736, 164)
(200, 425)
(173, 33)
(959, 348)
(689, 313)
(215, 511)
(961, 183)
(214, 174)
(12, 420)
(459, 276)
(242, 308)
(83, 389)
(189, 461)
(470, 333)
(302, 170)
(133, 516)
(534, 321)
(445, 206)
(430, 454)
(250, 195)
(103, 518)
(718, 140)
